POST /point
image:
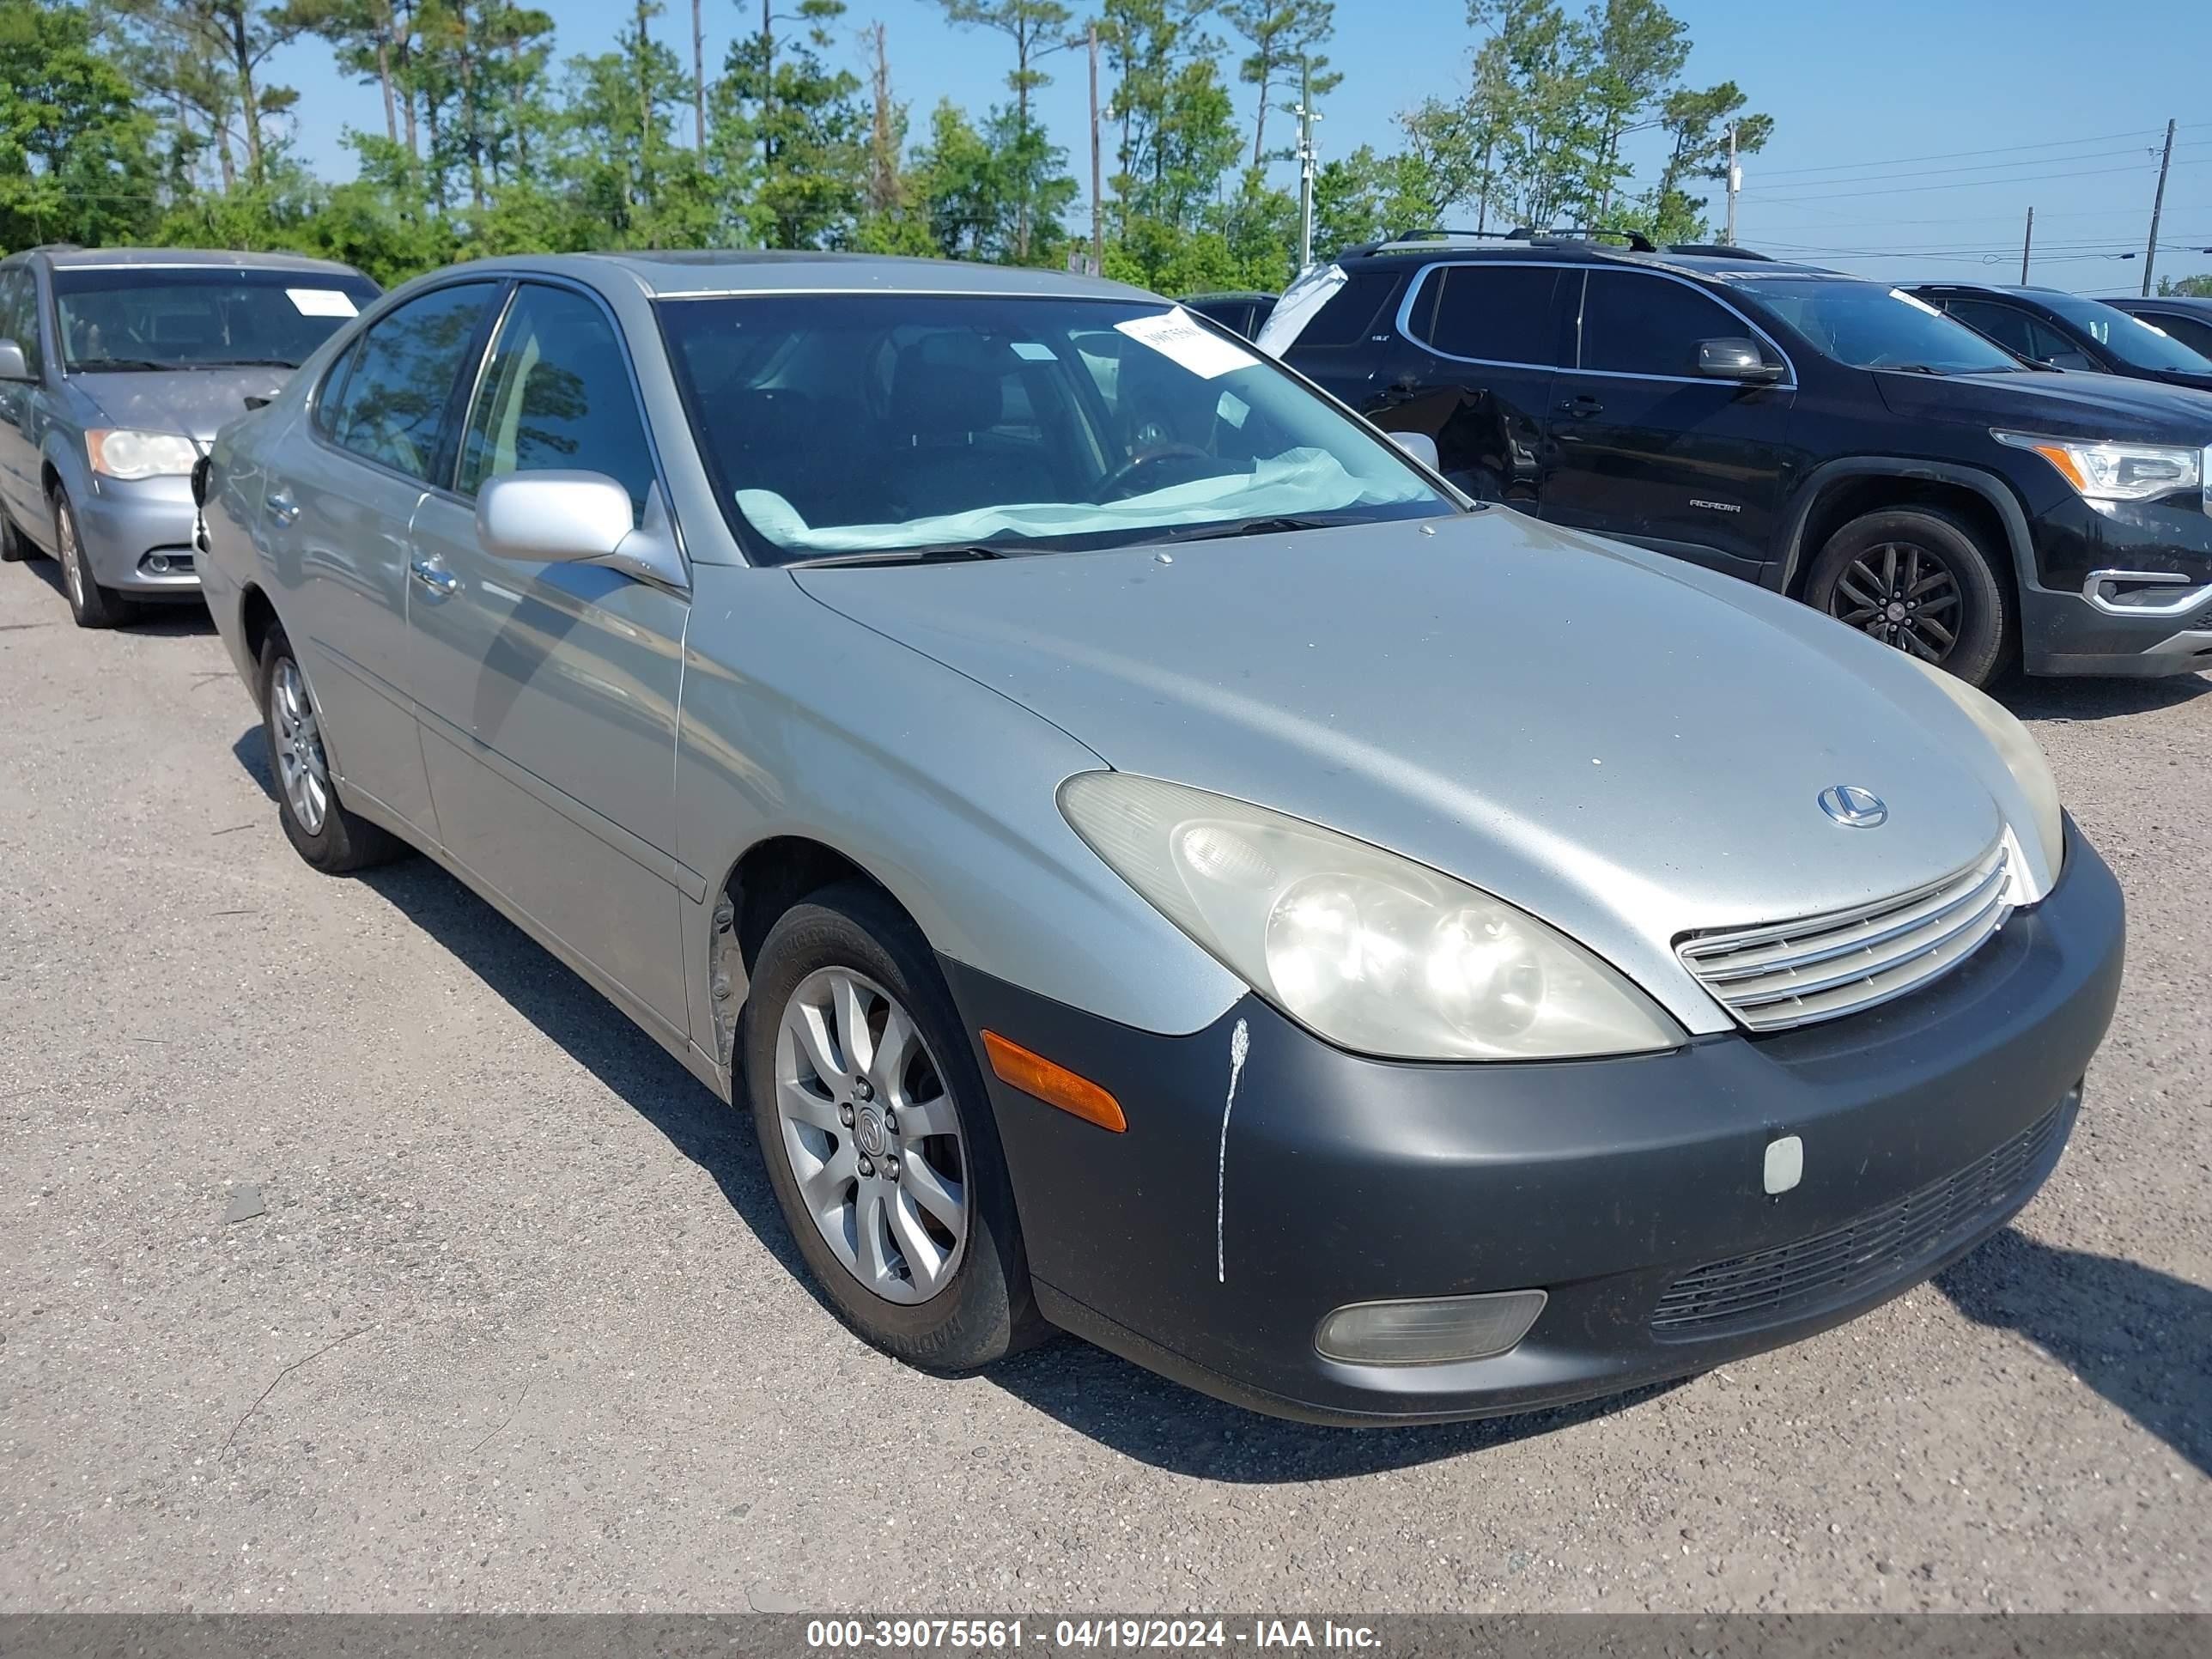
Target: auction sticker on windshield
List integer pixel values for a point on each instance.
(1176, 336)
(322, 302)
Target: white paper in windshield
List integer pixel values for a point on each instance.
(322, 302)
(1180, 339)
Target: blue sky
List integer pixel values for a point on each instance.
(1910, 139)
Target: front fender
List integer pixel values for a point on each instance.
(796, 720)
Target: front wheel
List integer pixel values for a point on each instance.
(878, 1136)
(1919, 580)
(320, 830)
(90, 605)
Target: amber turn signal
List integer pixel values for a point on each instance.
(1055, 1085)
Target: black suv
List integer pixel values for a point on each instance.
(1826, 436)
(2064, 331)
(2186, 318)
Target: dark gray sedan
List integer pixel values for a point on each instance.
(117, 366)
(1151, 859)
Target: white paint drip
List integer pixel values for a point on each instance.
(1239, 1044)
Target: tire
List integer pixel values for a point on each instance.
(14, 545)
(983, 1309)
(1869, 574)
(90, 605)
(338, 840)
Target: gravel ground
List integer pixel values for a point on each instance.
(518, 1327)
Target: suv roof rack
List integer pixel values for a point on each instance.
(1637, 240)
(1393, 239)
(1718, 250)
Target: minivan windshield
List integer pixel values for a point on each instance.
(184, 317)
(1866, 325)
(841, 425)
(2137, 344)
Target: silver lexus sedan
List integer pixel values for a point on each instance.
(1153, 860)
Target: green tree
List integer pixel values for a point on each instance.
(2192, 288)
(76, 160)
(789, 138)
(1696, 125)
(1638, 49)
(1034, 168)
(1284, 38)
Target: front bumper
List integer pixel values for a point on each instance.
(1620, 1187)
(2069, 623)
(127, 528)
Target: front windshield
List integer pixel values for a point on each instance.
(1866, 325)
(2136, 342)
(181, 317)
(879, 425)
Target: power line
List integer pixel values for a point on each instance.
(2149, 134)
(1979, 166)
(1976, 184)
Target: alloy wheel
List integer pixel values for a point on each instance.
(1904, 595)
(301, 767)
(72, 558)
(873, 1134)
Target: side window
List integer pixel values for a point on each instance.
(1354, 311)
(1500, 313)
(391, 407)
(1638, 325)
(18, 313)
(2012, 329)
(556, 396)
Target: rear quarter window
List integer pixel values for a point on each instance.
(1356, 311)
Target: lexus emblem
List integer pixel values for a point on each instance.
(1852, 806)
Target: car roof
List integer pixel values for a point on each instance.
(72, 259)
(1577, 250)
(1226, 295)
(676, 272)
(2183, 302)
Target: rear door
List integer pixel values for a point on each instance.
(1477, 349)
(1643, 448)
(548, 691)
(335, 518)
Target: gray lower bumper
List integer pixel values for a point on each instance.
(129, 531)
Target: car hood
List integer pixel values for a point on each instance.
(2058, 405)
(198, 402)
(1627, 747)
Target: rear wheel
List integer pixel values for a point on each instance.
(91, 604)
(320, 830)
(878, 1136)
(14, 545)
(1920, 580)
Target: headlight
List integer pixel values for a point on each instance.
(2115, 471)
(2031, 769)
(1370, 950)
(125, 454)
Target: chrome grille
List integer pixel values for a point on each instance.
(1886, 1246)
(1823, 967)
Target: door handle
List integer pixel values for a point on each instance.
(1582, 408)
(280, 505)
(441, 582)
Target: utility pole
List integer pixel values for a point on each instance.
(1304, 110)
(2026, 243)
(2157, 207)
(1735, 184)
(1097, 182)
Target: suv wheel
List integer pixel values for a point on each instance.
(1920, 579)
(91, 604)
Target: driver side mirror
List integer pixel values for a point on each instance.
(1740, 360)
(12, 365)
(576, 518)
(1421, 447)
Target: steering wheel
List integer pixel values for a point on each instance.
(1112, 487)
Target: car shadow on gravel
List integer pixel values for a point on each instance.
(2140, 1338)
(1099, 1394)
(2065, 699)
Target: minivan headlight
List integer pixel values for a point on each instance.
(2030, 768)
(123, 454)
(1373, 952)
(2110, 471)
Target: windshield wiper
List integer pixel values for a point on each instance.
(1272, 525)
(243, 362)
(949, 553)
(127, 365)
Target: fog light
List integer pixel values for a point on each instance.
(158, 563)
(1429, 1333)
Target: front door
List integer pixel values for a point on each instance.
(336, 528)
(548, 692)
(1645, 448)
(19, 427)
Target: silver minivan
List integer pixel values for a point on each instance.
(1151, 859)
(117, 366)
